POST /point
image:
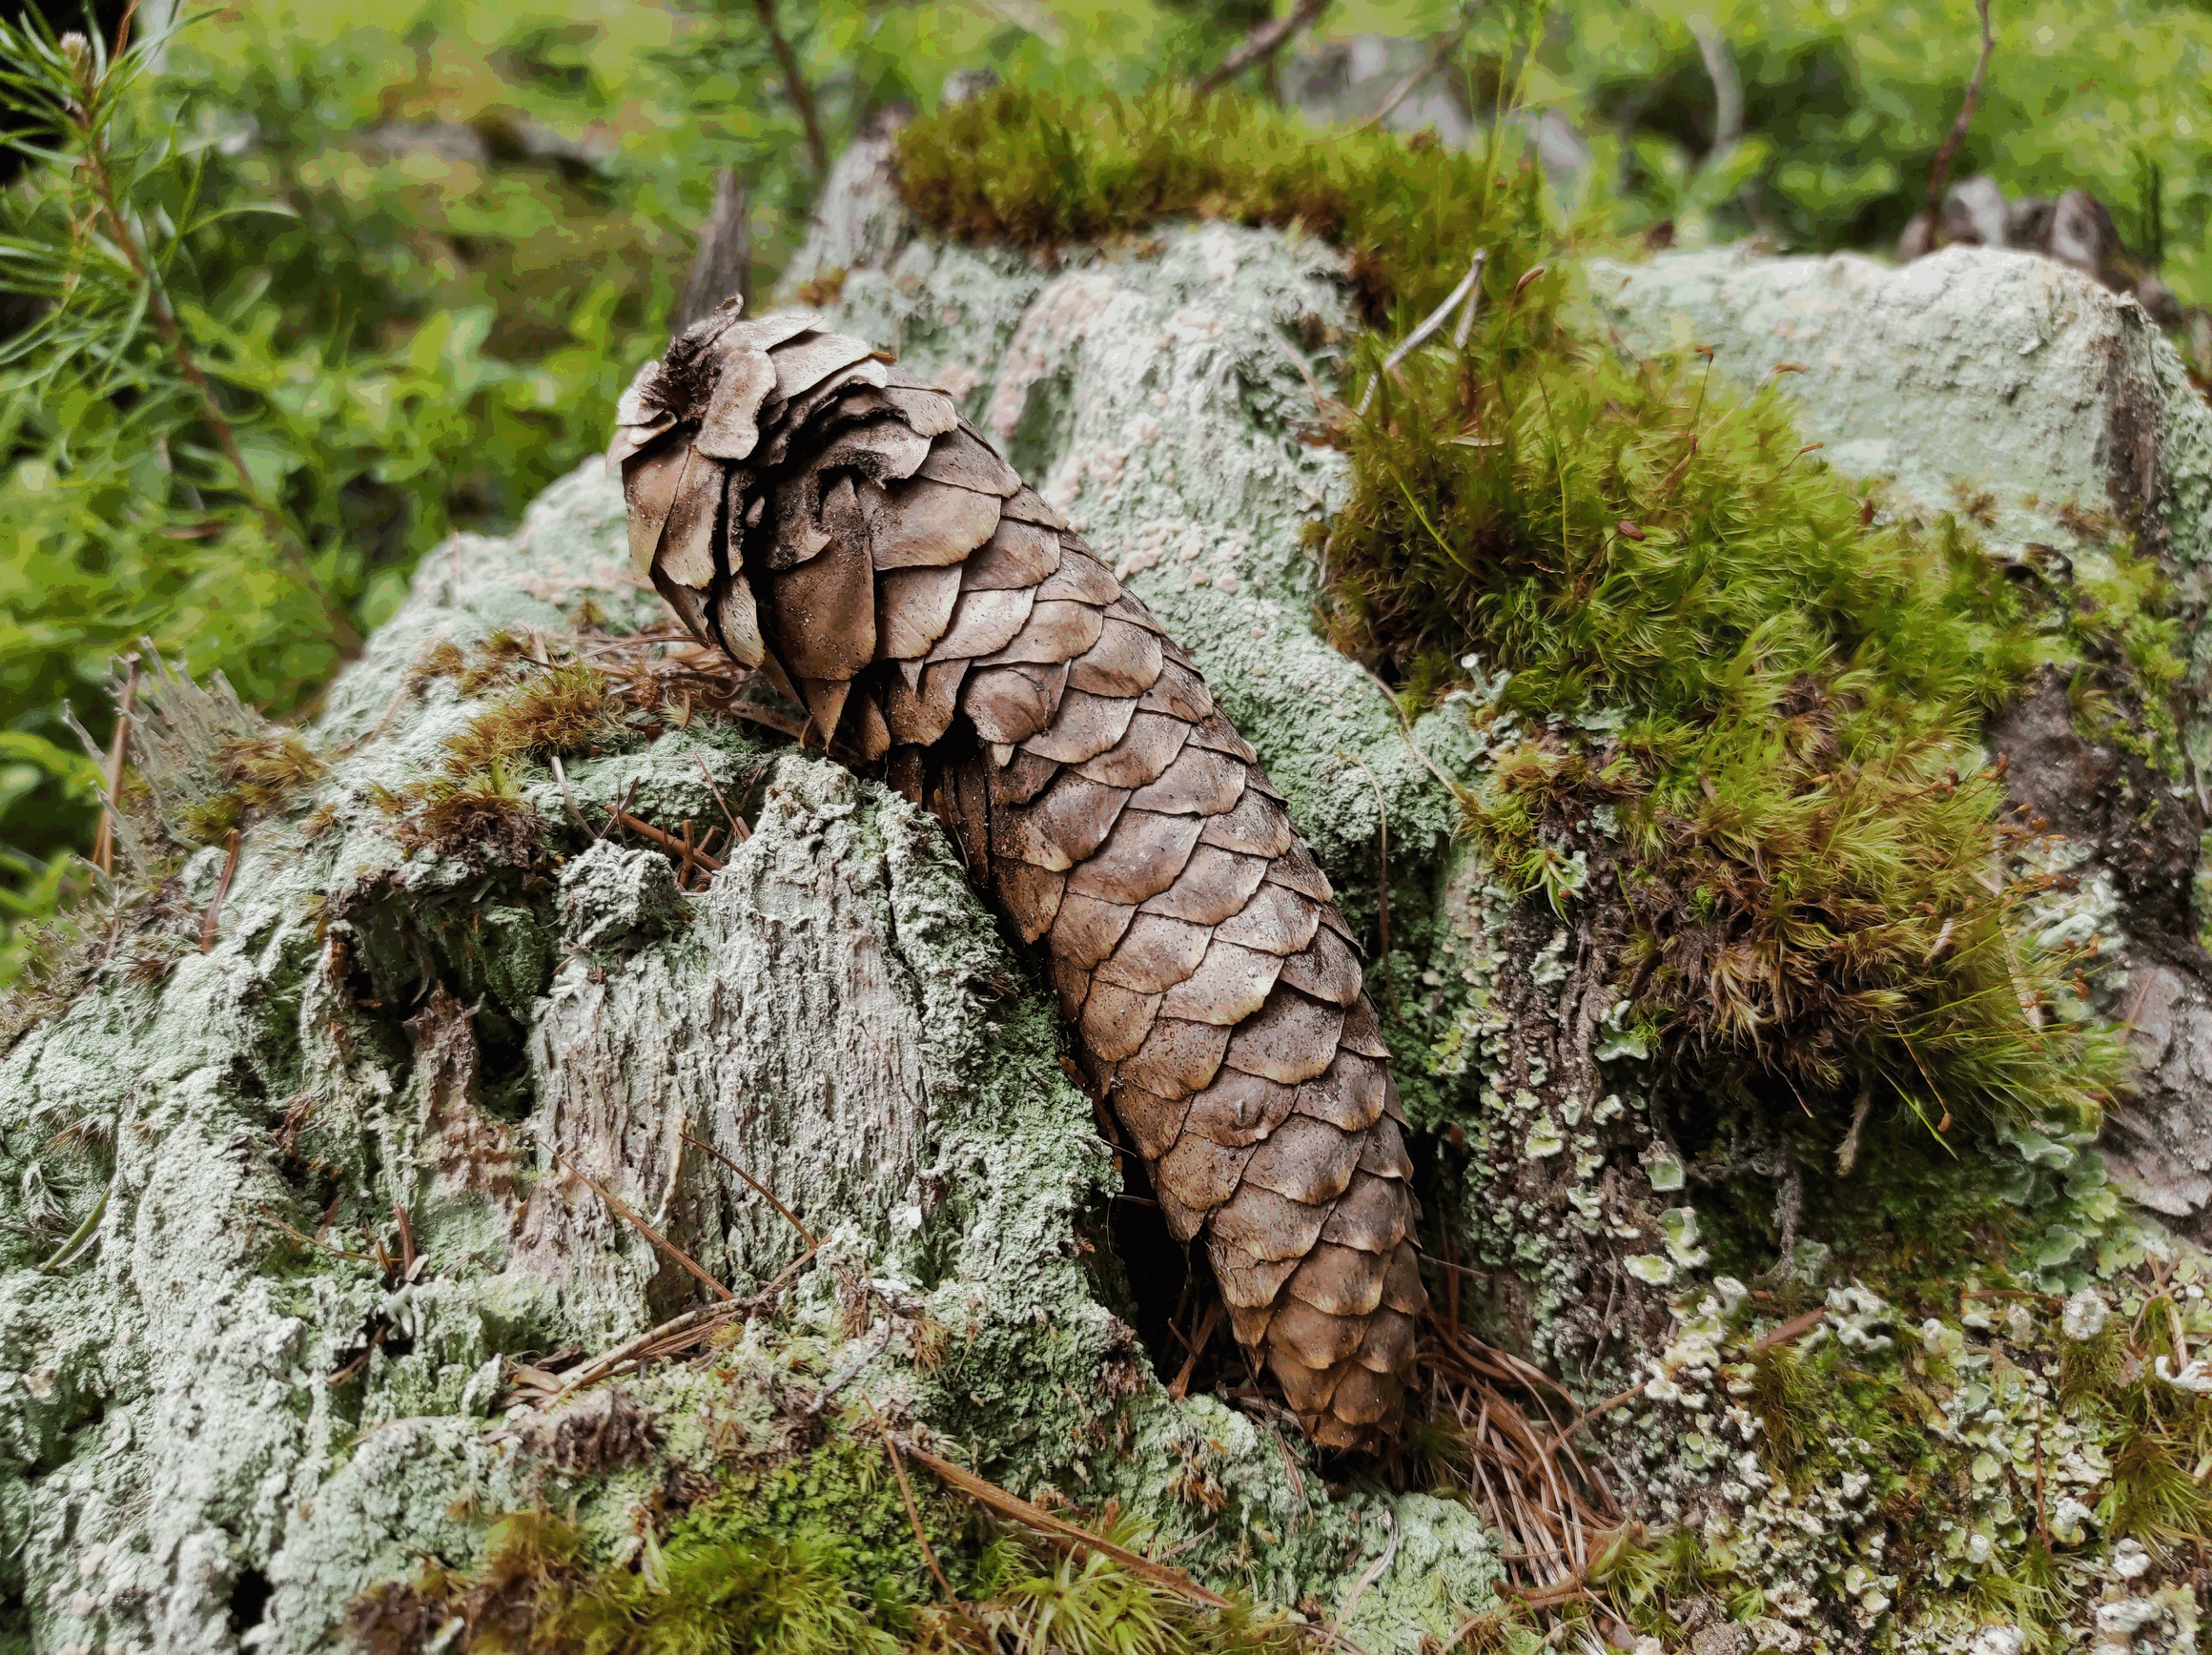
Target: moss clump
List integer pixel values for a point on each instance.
(2160, 1434)
(1029, 169)
(557, 710)
(480, 819)
(1659, 1583)
(1086, 1602)
(713, 1580)
(538, 1593)
(1773, 700)
(257, 776)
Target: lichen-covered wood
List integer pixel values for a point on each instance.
(833, 523)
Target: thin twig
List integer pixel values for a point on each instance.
(913, 1512)
(354, 1369)
(399, 695)
(568, 797)
(1847, 1157)
(1380, 1568)
(690, 1321)
(768, 717)
(1439, 54)
(81, 1237)
(722, 266)
(994, 1498)
(407, 1241)
(315, 1241)
(667, 842)
(1596, 1411)
(739, 832)
(1796, 1327)
(1939, 175)
(1468, 292)
(1405, 729)
(118, 749)
(796, 87)
(1198, 1346)
(1262, 43)
(630, 1215)
(1727, 90)
(214, 912)
(766, 1194)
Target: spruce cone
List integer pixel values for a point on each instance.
(826, 518)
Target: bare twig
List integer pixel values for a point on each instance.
(215, 911)
(1847, 1157)
(796, 87)
(765, 1192)
(632, 1217)
(1382, 881)
(691, 1323)
(1198, 1346)
(1468, 292)
(667, 842)
(81, 1237)
(1262, 43)
(306, 1240)
(1939, 175)
(739, 832)
(1439, 54)
(1796, 1327)
(723, 266)
(407, 1241)
(119, 750)
(399, 695)
(1405, 729)
(1596, 1410)
(1376, 1572)
(354, 1369)
(568, 796)
(993, 1498)
(1727, 90)
(913, 1512)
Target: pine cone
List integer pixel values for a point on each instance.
(831, 520)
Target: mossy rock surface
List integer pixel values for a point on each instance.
(229, 1418)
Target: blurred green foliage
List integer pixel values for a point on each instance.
(419, 246)
(1845, 102)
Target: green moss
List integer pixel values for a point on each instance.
(538, 1593)
(1776, 700)
(555, 711)
(2160, 1435)
(1028, 169)
(480, 819)
(808, 1556)
(1734, 719)
(257, 776)
(1086, 1604)
(1652, 1580)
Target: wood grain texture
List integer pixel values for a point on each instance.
(806, 505)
